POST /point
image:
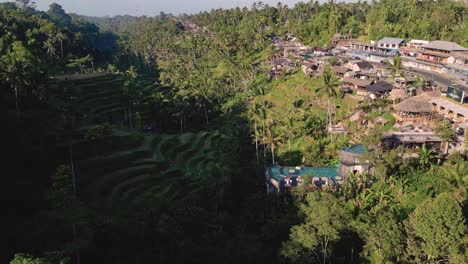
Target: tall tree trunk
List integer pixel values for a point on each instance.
(256, 139)
(181, 123)
(17, 102)
(206, 116)
(61, 48)
(130, 117)
(273, 154)
(329, 119)
(72, 166)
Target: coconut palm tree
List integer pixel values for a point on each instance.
(49, 46)
(329, 89)
(289, 127)
(271, 141)
(60, 36)
(394, 66)
(254, 113)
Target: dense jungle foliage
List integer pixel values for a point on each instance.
(162, 158)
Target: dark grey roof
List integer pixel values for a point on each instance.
(364, 65)
(444, 45)
(392, 41)
(380, 87)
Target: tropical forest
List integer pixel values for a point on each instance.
(258, 134)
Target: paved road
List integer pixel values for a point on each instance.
(440, 79)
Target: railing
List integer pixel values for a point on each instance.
(436, 53)
(431, 61)
(409, 118)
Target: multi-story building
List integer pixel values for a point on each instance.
(443, 52)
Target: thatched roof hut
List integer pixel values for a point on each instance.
(417, 104)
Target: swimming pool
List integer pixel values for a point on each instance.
(275, 172)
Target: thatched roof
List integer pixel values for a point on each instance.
(397, 93)
(416, 104)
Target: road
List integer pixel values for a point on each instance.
(440, 79)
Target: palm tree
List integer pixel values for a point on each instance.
(60, 37)
(129, 91)
(426, 155)
(271, 140)
(289, 127)
(49, 46)
(394, 66)
(263, 117)
(254, 113)
(18, 67)
(329, 89)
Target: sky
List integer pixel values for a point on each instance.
(146, 7)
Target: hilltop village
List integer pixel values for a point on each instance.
(426, 82)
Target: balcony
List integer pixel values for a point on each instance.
(436, 53)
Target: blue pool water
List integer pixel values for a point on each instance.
(276, 171)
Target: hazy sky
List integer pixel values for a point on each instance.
(146, 7)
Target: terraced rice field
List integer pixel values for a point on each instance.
(130, 168)
(148, 170)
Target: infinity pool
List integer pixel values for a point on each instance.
(276, 172)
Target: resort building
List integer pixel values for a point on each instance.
(414, 109)
(439, 52)
(447, 109)
(391, 43)
(411, 139)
